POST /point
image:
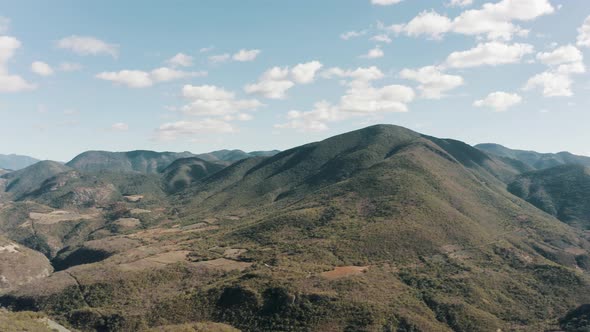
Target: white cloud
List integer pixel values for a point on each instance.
(143, 79)
(130, 78)
(206, 49)
(491, 54)
(242, 55)
(460, 3)
(360, 99)
(352, 34)
(180, 60)
(10, 83)
(499, 101)
(428, 23)
(174, 130)
(557, 81)
(85, 45)
(382, 38)
(245, 55)
(214, 101)
(165, 74)
(493, 20)
(69, 66)
(41, 68)
(360, 74)
(275, 82)
(120, 126)
(563, 54)
(553, 84)
(433, 83)
(584, 33)
(385, 2)
(373, 53)
(304, 73)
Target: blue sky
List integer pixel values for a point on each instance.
(256, 75)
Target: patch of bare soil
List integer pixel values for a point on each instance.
(57, 216)
(127, 222)
(344, 271)
(133, 198)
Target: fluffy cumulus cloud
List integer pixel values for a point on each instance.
(557, 81)
(492, 20)
(143, 79)
(175, 130)
(41, 68)
(373, 53)
(361, 98)
(584, 33)
(180, 60)
(385, 2)
(275, 82)
(245, 55)
(210, 100)
(433, 82)
(492, 54)
(460, 3)
(304, 73)
(242, 55)
(428, 23)
(85, 45)
(499, 101)
(9, 82)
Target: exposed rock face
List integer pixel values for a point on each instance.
(20, 265)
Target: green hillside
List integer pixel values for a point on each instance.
(533, 159)
(562, 191)
(132, 161)
(184, 172)
(31, 178)
(379, 229)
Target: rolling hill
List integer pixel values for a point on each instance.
(29, 179)
(379, 229)
(535, 160)
(184, 172)
(562, 191)
(133, 161)
(15, 162)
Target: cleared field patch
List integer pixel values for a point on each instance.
(127, 222)
(344, 271)
(57, 216)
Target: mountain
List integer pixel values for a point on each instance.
(535, 160)
(231, 156)
(150, 162)
(132, 161)
(184, 172)
(29, 179)
(562, 191)
(379, 229)
(16, 162)
(4, 171)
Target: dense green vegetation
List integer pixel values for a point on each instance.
(562, 191)
(425, 233)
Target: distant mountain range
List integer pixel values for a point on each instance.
(16, 162)
(535, 160)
